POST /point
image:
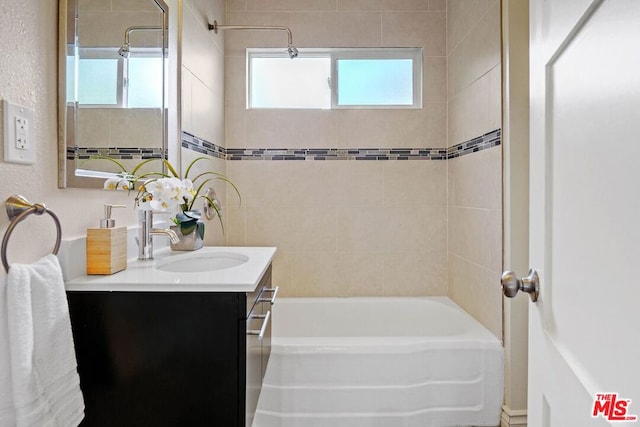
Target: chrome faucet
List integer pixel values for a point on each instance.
(146, 233)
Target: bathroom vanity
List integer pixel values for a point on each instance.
(190, 349)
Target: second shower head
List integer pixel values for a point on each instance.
(291, 49)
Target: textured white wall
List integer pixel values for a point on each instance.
(28, 76)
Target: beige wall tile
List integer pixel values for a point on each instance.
(422, 182)
(94, 127)
(336, 29)
(94, 5)
(461, 16)
(145, 5)
(262, 183)
(291, 5)
(410, 5)
(271, 226)
(235, 135)
(200, 55)
(314, 229)
(185, 100)
(362, 128)
(360, 5)
(437, 4)
(435, 79)
(233, 5)
(208, 113)
(426, 29)
(469, 115)
(435, 125)
(315, 183)
(316, 274)
(235, 225)
(360, 273)
(135, 127)
(477, 291)
(411, 274)
(360, 229)
(476, 180)
(476, 234)
(235, 82)
(360, 184)
(290, 129)
(495, 97)
(413, 228)
(479, 52)
(107, 29)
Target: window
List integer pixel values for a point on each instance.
(106, 79)
(335, 78)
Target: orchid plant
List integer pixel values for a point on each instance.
(163, 192)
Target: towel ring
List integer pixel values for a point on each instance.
(19, 208)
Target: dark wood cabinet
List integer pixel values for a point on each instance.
(166, 358)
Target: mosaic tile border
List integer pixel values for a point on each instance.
(488, 140)
(191, 142)
(84, 153)
(199, 145)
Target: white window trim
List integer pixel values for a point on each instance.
(334, 54)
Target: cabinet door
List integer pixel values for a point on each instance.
(159, 359)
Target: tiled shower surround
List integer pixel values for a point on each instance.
(386, 202)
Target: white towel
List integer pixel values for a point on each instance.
(44, 376)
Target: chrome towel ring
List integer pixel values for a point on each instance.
(19, 208)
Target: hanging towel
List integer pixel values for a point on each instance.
(7, 414)
(45, 381)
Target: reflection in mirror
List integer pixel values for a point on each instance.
(112, 87)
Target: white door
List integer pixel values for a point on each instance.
(585, 212)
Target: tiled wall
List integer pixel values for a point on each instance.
(202, 94)
(103, 23)
(475, 181)
(342, 227)
(383, 227)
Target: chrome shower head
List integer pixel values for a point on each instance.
(292, 51)
(124, 50)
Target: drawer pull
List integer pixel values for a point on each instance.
(273, 297)
(265, 321)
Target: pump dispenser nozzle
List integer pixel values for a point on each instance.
(107, 221)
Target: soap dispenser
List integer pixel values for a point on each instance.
(107, 245)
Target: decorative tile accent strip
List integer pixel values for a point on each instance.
(480, 143)
(191, 142)
(337, 154)
(113, 152)
(202, 146)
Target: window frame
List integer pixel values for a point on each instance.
(334, 54)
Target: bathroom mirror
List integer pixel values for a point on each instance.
(112, 87)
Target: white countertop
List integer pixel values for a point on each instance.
(144, 276)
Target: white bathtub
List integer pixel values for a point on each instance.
(380, 362)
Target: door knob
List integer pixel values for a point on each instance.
(511, 284)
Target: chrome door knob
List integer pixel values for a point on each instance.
(511, 284)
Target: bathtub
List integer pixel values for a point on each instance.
(379, 362)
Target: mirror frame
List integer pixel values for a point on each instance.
(67, 126)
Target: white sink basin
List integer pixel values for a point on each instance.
(203, 263)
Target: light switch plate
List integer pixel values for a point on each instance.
(19, 144)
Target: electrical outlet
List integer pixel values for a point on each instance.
(18, 144)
